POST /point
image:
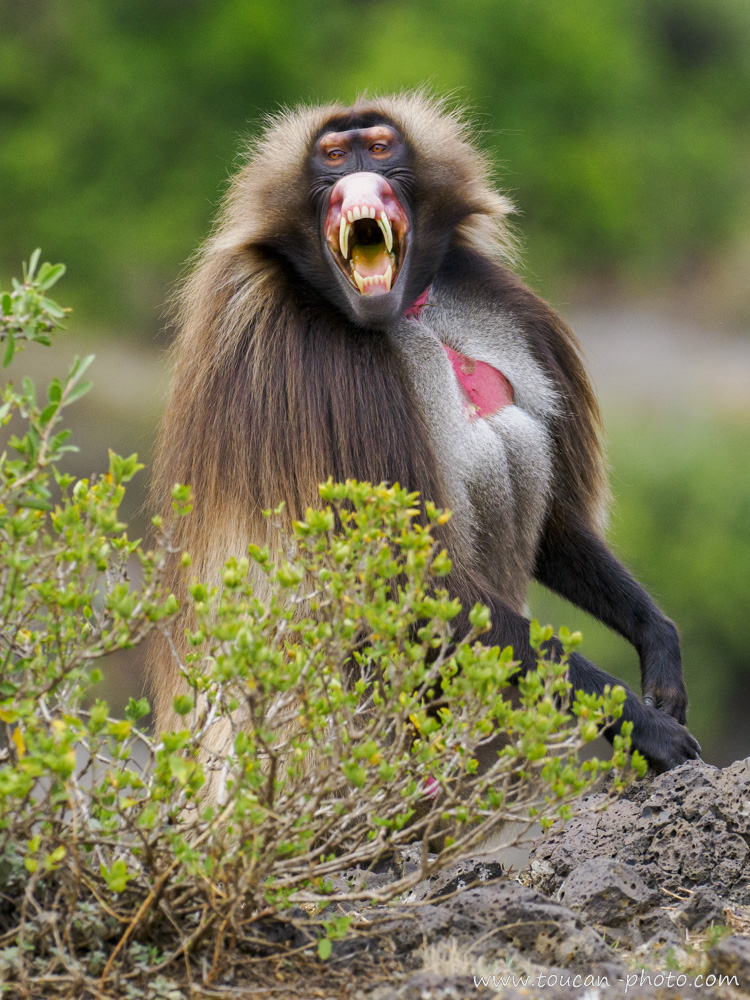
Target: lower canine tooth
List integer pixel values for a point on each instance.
(388, 277)
(360, 281)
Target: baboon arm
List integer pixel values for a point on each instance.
(662, 740)
(577, 564)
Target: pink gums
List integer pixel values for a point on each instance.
(367, 190)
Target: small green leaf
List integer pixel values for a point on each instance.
(49, 274)
(181, 769)
(34, 260)
(117, 876)
(52, 308)
(48, 413)
(479, 617)
(137, 709)
(34, 503)
(79, 367)
(183, 703)
(10, 350)
(52, 860)
(324, 948)
(78, 391)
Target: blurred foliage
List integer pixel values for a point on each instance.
(620, 127)
(681, 522)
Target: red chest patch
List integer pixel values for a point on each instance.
(485, 389)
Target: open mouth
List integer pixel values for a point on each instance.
(366, 232)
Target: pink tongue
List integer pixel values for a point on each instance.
(485, 389)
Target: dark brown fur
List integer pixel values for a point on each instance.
(274, 390)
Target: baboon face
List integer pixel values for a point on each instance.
(362, 187)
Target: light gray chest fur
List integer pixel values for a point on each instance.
(497, 469)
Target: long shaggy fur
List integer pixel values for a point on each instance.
(274, 389)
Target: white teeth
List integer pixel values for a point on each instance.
(345, 227)
(374, 279)
(344, 237)
(385, 228)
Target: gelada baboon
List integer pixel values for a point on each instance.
(354, 315)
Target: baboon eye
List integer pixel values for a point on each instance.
(335, 154)
(379, 147)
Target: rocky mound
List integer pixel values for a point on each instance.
(683, 831)
(618, 898)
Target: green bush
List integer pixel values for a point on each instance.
(351, 722)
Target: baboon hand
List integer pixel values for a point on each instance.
(663, 741)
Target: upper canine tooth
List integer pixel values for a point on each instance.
(344, 237)
(360, 280)
(357, 212)
(385, 227)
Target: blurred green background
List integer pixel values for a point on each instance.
(620, 128)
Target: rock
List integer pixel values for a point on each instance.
(404, 861)
(544, 876)
(608, 892)
(731, 957)
(457, 877)
(489, 922)
(684, 829)
(386, 870)
(414, 927)
(362, 878)
(654, 927)
(702, 909)
(688, 829)
(502, 914)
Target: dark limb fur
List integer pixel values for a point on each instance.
(659, 737)
(284, 376)
(576, 563)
